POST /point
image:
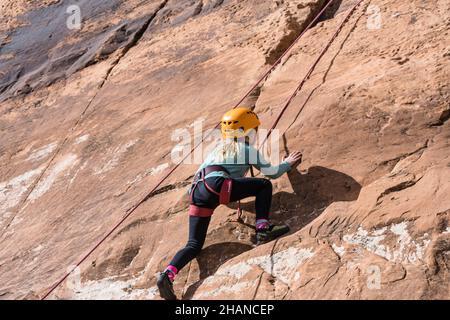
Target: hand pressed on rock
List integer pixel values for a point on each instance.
(294, 159)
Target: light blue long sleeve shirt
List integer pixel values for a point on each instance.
(238, 166)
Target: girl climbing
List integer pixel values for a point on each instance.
(220, 180)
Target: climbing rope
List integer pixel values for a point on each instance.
(169, 173)
(310, 71)
(301, 84)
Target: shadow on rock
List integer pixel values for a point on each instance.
(313, 192)
(330, 12)
(211, 258)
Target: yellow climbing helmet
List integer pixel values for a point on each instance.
(238, 122)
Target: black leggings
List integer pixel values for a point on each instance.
(198, 226)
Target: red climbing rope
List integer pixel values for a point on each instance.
(276, 63)
(310, 71)
(169, 173)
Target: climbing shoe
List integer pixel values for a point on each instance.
(270, 233)
(165, 287)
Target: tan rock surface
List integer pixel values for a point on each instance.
(86, 118)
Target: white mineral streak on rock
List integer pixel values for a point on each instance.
(340, 251)
(159, 169)
(83, 166)
(149, 172)
(54, 173)
(237, 270)
(117, 154)
(82, 139)
(42, 152)
(112, 289)
(38, 248)
(282, 265)
(406, 250)
(12, 191)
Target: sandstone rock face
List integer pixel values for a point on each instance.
(87, 117)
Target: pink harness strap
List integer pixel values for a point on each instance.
(200, 212)
(225, 191)
(224, 196)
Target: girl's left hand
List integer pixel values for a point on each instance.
(294, 159)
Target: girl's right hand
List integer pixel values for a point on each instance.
(294, 159)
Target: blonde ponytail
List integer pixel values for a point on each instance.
(230, 150)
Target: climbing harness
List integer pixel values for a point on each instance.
(169, 173)
(224, 194)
